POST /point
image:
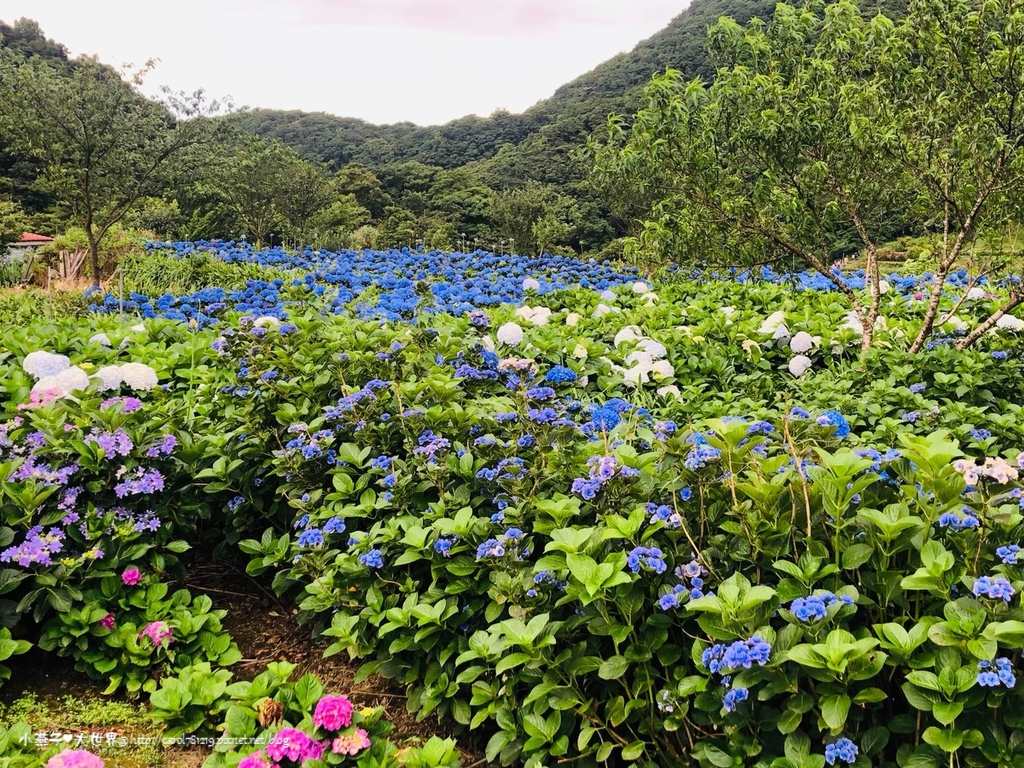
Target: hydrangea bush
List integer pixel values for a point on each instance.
(613, 525)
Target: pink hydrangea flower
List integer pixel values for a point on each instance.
(131, 576)
(256, 760)
(74, 758)
(157, 631)
(38, 399)
(351, 743)
(295, 745)
(333, 713)
(107, 622)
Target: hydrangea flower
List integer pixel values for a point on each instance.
(138, 376)
(42, 364)
(648, 559)
(74, 758)
(560, 374)
(799, 365)
(351, 743)
(510, 334)
(131, 576)
(372, 559)
(843, 750)
(158, 632)
(333, 713)
(994, 588)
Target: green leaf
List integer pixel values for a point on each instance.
(613, 668)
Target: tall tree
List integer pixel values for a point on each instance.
(821, 123)
(102, 145)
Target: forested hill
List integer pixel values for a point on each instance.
(577, 107)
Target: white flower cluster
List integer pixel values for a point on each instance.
(56, 374)
(535, 315)
(646, 361)
(1010, 323)
(510, 334)
(530, 284)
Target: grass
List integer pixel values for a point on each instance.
(120, 732)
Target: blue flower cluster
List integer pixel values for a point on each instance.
(602, 470)
(955, 523)
(649, 559)
(842, 750)
(1000, 674)
(1009, 554)
(994, 588)
(834, 419)
(702, 453)
(719, 658)
(815, 607)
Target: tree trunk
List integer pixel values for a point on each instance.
(94, 256)
(1015, 300)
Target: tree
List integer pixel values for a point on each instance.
(102, 145)
(12, 223)
(821, 123)
(253, 185)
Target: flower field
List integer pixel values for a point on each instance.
(580, 515)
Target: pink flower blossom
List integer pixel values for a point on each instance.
(37, 399)
(157, 631)
(351, 743)
(256, 760)
(333, 713)
(131, 576)
(107, 622)
(74, 758)
(295, 745)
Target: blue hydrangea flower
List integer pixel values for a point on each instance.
(842, 750)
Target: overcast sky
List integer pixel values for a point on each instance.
(426, 61)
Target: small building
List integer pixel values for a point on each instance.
(28, 241)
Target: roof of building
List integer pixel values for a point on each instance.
(31, 238)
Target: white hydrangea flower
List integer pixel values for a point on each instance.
(640, 358)
(640, 287)
(138, 376)
(487, 343)
(601, 310)
(608, 296)
(100, 338)
(140, 328)
(583, 381)
(266, 321)
(1010, 323)
(671, 390)
(799, 365)
(573, 318)
(654, 348)
(510, 334)
(636, 376)
(975, 294)
(580, 352)
(69, 380)
(110, 377)
(957, 323)
(651, 298)
(662, 369)
(541, 315)
(773, 321)
(529, 284)
(627, 333)
(883, 287)
(750, 344)
(781, 332)
(41, 364)
(728, 311)
(685, 330)
(853, 323)
(802, 342)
